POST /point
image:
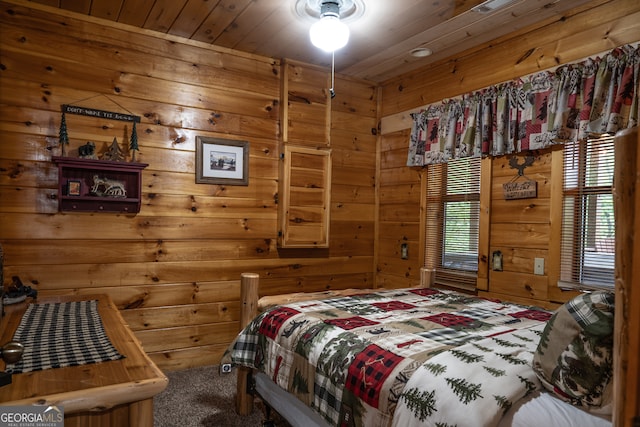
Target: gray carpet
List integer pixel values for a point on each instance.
(201, 397)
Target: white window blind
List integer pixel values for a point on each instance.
(588, 223)
(452, 222)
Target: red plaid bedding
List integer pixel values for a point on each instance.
(397, 357)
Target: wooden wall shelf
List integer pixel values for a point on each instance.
(76, 180)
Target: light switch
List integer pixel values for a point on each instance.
(538, 266)
(404, 251)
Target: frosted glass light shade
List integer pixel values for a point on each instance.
(329, 33)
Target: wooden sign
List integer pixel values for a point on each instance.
(520, 190)
(101, 114)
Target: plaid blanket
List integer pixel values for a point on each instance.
(56, 335)
(397, 357)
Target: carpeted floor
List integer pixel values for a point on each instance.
(201, 397)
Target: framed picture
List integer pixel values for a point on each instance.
(222, 161)
(73, 188)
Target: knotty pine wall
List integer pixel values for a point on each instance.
(522, 229)
(174, 268)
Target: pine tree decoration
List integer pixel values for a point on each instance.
(133, 145)
(465, 390)
(530, 385)
(512, 359)
(523, 338)
(505, 343)
(435, 368)
(300, 383)
(422, 404)
(114, 152)
(482, 348)
(495, 371)
(503, 402)
(64, 137)
(543, 344)
(467, 357)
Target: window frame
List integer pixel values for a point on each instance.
(434, 204)
(572, 271)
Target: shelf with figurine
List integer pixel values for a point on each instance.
(95, 182)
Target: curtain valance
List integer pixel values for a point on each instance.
(598, 95)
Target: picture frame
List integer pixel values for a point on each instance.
(74, 187)
(222, 161)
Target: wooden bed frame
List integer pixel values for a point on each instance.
(626, 363)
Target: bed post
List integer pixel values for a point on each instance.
(627, 319)
(249, 309)
(427, 277)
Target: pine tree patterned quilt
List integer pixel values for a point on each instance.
(423, 357)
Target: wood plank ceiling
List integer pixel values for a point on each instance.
(381, 38)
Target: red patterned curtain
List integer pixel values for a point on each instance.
(598, 95)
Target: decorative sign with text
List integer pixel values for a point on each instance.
(523, 189)
(520, 190)
(92, 112)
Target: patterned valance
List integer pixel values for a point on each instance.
(598, 95)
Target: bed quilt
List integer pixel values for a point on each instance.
(398, 357)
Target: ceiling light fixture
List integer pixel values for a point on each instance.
(490, 5)
(421, 52)
(329, 33)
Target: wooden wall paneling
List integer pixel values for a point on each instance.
(125, 227)
(180, 315)
(484, 242)
(351, 212)
(534, 236)
(352, 162)
(113, 35)
(579, 34)
(520, 210)
(304, 197)
(509, 284)
(164, 126)
(306, 105)
(353, 193)
(357, 141)
(321, 282)
(179, 337)
(185, 358)
(160, 295)
(174, 267)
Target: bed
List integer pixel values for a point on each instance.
(420, 356)
(402, 357)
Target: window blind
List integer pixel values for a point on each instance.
(588, 223)
(452, 209)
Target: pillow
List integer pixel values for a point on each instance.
(574, 358)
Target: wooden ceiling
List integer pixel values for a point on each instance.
(381, 39)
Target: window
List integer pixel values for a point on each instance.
(588, 224)
(452, 221)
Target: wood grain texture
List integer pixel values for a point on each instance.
(174, 268)
(626, 197)
(118, 393)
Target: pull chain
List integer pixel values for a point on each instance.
(333, 72)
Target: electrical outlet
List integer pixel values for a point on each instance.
(538, 266)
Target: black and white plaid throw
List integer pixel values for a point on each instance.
(62, 334)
